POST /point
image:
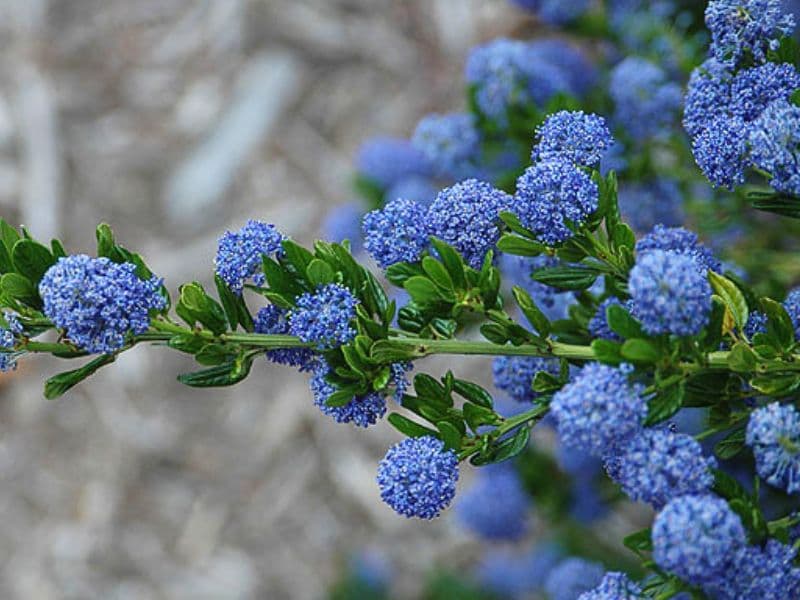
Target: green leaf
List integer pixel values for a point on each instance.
(779, 324)
(786, 206)
(519, 246)
(423, 291)
(408, 427)
(452, 261)
(622, 323)
(666, 403)
(191, 344)
(386, 351)
(639, 542)
(20, 288)
(506, 449)
(535, 316)
(777, 384)
(399, 273)
(566, 278)
(214, 354)
(639, 350)
(342, 396)
(195, 305)
(234, 306)
(296, 255)
(732, 297)
(320, 273)
(57, 248)
(623, 236)
(742, 359)
(544, 382)
(474, 393)
(105, 241)
(9, 235)
(495, 333)
(6, 265)
(59, 384)
(427, 387)
(730, 445)
(607, 351)
(223, 375)
(450, 435)
(479, 415)
(32, 259)
(437, 273)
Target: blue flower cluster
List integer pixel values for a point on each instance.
(362, 411)
(756, 323)
(514, 374)
(792, 306)
(573, 63)
(99, 302)
(398, 232)
(8, 341)
(775, 145)
(720, 151)
(773, 432)
(577, 137)
(680, 241)
(496, 506)
(450, 142)
(556, 12)
(274, 320)
(614, 586)
(239, 254)
(756, 572)
(645, 205)
(324, 317)
(386, 161)
(572, 577)
(418, 476)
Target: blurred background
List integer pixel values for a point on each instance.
(174, 120)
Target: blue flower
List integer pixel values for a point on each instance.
(450, 142)
(586, 504)
(386, 160)
(572, 577)
(98, 302)
(792, 306)
(679, 241)
(754, 89)
(742, 28)
(646, 103)
(418, 189)
(342, 223)
(657, 465)
(574, 136)
(323, 318)
(708, 95)
(399, 380)
(573, 63)
(515, 575)
(615, 586)
(552, 193)
(398, 232)
(768, 573)
(669, 294)
(239, 254)
(775, 145)
(496, 506)
(362, 411)
(555, 12)
(599, 409)
(696, 537)
(756, 323)
(466, 216)
(773, 432)
(272, 319)
(514, 374)
(645, 205)
(418, 476)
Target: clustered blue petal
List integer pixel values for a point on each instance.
(669, 293)
(756, 323)
(646, 103)
(773, 432)
(756, 88)
(324, 317)
(555, 12)
(615, 586)
(708, 95)
(514, 374)
(450, 142)
(418, 476)
(746, 28)
(775, 145)
(15, 326)
(496, 506)
(720, 151)
(239, 254)
(645, 205)
(513, 575)
(599, 409)
(8, 339)
(398, 232)
(466, 216)
(398, 378)
(552, 193)
(696, 537)
(679, 241)
(342, 223)
(792, 306)
(572, 577)
(768, 573)
(99, 302)
(362, 411)
(387, 160)
(274, 320)
(574, 136)
(657, 465)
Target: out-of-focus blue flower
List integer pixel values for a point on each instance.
(272, 319)
(496, 506)
(574, 136)
(792, 306)
(615, 586)
(514, 374)
(398, 232)
(775, 145)
(450, 142)
(371, 567)
(514, 575)
(586, 504)
(361, 411)
(387, 160)
(555, 12)
(573, 63)
(239, 254)
(323, 318)
(418, 189)
(518, 270)
(768, 573)
(342, 223)
(773, 433)
(680, 241)
(572, 577)
(645, 205)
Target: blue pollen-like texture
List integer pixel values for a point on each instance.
(696, 537)
(324, 317)
(575, 136)
(746, 28)
(599, 409)
(550, 195)
(418, 476)
(720, 151)
(342, 223)
(399, 379)
(361, 411)
(615, 586)
(645, 205)
(98, 302)
(669, 294)
(773, 432)
(398, 232)
(387, 160)
(516, 575)
(466, 216)
(572, 577)
(646, 103)
(775, 145)
(708, 95)
(239, 254)
(657, 465)
(768, 573)
(274, 320)
(679, 241)
(450, 142)
(514, 374)
(756, 88)
(756, 323)
(792, 306)
(496, 506)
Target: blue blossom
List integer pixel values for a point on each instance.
(398, 378)
(466, 216)
(775, 145)
(398, 232)
(756, 323)
(418, 476)
(514, 374)
(708, 95)
(496, 506)
(599, 409)
(555, 12)
(645, 205)
(323, 318)
(387, 160)
(361, 411)
(754, 89)
(418, 189)
(572, 62)
(574, 136)
(515, 575)
(572, 577)
(615, 586)
(680, 241)
(274, 320)
(657, 465)
(98, 302)
(586, 504)
(742, 28)
(767, 573)
(773, 432)
(646, 103)
(8, 339)
(792, 306)
(239, 254)
(518, 270)
(14, 324)
(552, 193)
(450, 142)
(342, 223)
(696, 537)
(669, 294)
